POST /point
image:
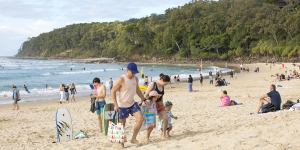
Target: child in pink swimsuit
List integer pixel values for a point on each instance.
(225, 99)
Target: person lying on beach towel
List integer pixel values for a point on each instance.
(269, 102)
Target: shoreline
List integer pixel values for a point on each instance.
(104, 60)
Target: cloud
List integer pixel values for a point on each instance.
(20, 19)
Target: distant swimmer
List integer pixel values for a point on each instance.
(46, 86)
(84, 68)
(104, 69)
(26, 89)
(71, 69)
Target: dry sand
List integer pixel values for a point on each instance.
(201, 124)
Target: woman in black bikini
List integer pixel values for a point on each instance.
(158, 86)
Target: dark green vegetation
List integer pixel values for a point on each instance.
(212, 30)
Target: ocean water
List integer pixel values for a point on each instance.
(36, 74)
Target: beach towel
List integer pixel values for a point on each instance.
(116, 132)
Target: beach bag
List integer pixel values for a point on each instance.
(149, 118)
(93, 105)
(116, 132)
(111, 115)
(288, 104)
(268, 108)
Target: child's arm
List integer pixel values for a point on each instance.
(174, 117)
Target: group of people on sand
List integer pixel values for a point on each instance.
(126, 87)
(65, 91)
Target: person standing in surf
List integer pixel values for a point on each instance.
(67, 94)
(201, 79)
(190, 81)
(16, 97)
(99, 94)
(62, 93)
(128, 86)
(111, 84)
(159, 87)
(73, 92)
(26, 88)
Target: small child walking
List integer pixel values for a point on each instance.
(168, 108)
(149, 112)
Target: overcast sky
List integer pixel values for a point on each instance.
(20, 19)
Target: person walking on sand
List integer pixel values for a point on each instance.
(66, 92)
(111, 84)
(270, 102)
(211, 79)
(16, 97)
(99, 95)
(190, 82)
(146, 81)
(128, 87)
(73, 92)
(62, 93)
(159, 87)
(201, 79)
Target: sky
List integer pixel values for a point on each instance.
(21, 19)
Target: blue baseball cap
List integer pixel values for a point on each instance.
(132, 67)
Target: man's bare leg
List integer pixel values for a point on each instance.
(139, 122)
(261, 102)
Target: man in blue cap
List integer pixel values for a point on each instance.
(128, 86)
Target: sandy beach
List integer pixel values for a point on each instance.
(201, 123)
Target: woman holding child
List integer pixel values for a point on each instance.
(158, 86)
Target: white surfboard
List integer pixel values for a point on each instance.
(64, 127)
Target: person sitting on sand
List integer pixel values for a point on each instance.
(149, 106)
(225, 99)
(270, 102)
(168, 106)
(128, 86)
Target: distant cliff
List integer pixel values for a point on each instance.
(221, 29)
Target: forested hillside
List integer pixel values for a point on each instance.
(203, 29)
